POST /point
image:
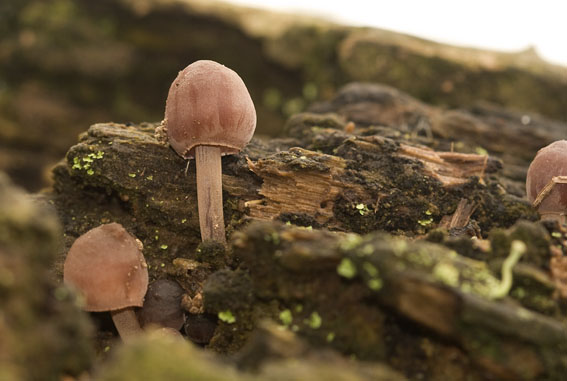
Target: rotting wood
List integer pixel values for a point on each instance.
(461, 217)
(304, 191)
(436, 288)
(134, 180)
(301, 188)
(450, 168)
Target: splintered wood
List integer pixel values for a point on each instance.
(461, 217)
(307, 182)
(299, 187)
(450, 168)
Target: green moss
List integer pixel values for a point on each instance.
(375, 284)
(314, 321)
(370, 269)
(286, 317)
(362, 209)
(330, 337)
(346, 268)
(350, 242)
(425, 222)
(87, 161)
(227, 317)
(447, 274)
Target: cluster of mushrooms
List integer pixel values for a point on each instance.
(209, 113)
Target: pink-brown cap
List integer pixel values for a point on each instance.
(209, 104)
(549, 162)
(107, 266)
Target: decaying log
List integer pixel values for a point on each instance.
(515, 136)
(120, 172)
(372, 297)
(358, 183)
(426, 283)
(450, 168)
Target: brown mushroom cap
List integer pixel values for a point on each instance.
(107, 266)
(549, 162)
(208, 104)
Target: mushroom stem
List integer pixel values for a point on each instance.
(561, 218)
(209, 192)
(126, 323)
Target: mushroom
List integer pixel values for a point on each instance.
(162, 305)
(106, 265)
(209, 113)
(546, 182)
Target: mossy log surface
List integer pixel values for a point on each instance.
(302, 214)
(366, 295)
(327, 173)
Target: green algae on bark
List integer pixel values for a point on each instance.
(432, 286)
(44, 333)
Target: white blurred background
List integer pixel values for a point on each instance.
(504, 25)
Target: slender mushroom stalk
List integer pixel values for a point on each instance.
(209, 193)
(209, 113)
(107, 266)
(126, 323)
(546, 182)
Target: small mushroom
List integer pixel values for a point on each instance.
(162, 305)
(107, 266)
(209, 113)
(546, 182)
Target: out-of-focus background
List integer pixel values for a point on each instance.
(505, 25)
(66, 64)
